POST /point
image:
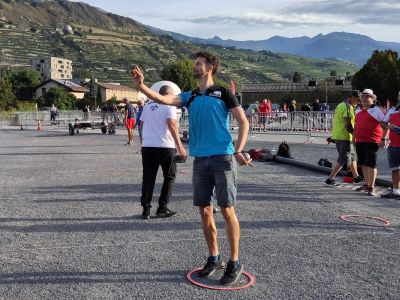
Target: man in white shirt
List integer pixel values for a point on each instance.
(160, 136)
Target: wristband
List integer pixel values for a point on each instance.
(234, 153)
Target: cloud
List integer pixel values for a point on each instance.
(312, 13)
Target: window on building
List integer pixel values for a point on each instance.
(38, 65)
(62, 75)
(43, 91)
(42, 61)
(42, 74)
(60, 62)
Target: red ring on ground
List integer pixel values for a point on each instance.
(184, 171)
(220, 288)
(347, 218)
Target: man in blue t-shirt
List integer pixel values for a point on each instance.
(214, 166)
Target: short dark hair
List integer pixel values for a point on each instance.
(211, 59)
(164, 90)
(355, 93)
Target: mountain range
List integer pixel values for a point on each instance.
(350, 47)
(105, 45)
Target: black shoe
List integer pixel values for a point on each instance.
(211, 267)
(363, 188)
(358, 179)
(146, 212)
(330, 181)
(390, 195)
(232, 274)
(165, 213)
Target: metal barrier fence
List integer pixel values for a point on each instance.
(30, 120)
(310, 124)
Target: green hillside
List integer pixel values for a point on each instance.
(107, 45)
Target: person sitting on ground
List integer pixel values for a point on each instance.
(342, 134)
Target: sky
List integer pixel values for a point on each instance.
(257, 20)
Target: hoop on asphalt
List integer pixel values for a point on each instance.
(249, 281)
(379, 222)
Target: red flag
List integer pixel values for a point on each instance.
(284, 106)
(233, 86)
(387, 104)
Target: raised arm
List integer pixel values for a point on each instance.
(138, 79)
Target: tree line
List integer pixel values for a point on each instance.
(380, 73)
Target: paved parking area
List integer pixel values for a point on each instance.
(71, 229)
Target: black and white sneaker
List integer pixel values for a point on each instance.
(358, 179)
(331, 182)
(211, 267)
(165, 213)
(232, 274)
(390, 195)
(146, 212)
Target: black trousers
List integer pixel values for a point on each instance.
(152, 158)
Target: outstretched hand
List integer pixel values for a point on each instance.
(137, 76)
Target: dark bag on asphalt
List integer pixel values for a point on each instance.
(284, 150)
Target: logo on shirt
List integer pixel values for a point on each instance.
(154, 107)
(216, 94)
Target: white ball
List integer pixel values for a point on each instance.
(246, 156)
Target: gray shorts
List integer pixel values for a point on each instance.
(393, 154)
(346, 151)
(214, 175)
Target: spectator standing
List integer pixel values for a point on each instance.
(392, 122)
(129, 120)
(160, 137)
(53, 114)
(343, 128)
(368, 135)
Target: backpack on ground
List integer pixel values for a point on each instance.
(284, 150)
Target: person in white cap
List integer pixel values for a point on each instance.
(392, 122)
(368, 135)
(160, 140)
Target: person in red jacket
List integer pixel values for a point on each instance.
(368, 135)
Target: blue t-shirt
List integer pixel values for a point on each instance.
(209, 120)
(131, 111)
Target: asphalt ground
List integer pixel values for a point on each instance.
(71, 229)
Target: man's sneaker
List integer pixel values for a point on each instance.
(358, 179)
(146, 212)
(330, 181)
(363, 188)
(232, 274)
(165, 213)
(391, 195)
(371, 191)
(211, 267)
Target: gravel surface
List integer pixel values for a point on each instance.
(71, 228)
